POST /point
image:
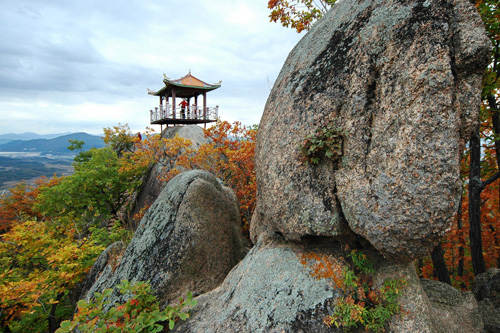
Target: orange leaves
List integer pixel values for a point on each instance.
(18, 205)
(324, 267)
(153, 149)
(232, 159)
(229, 156)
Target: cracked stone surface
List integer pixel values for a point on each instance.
(401, 80)
(268, 291)
(188, 240)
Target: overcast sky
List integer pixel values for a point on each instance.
(69, 66)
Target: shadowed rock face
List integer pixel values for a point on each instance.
(401, 81)
(486, 288)
(452, 310)
(188, 240)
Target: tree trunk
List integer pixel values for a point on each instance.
(476, 244)
(52, 319)
(461, 241)
(440, 269)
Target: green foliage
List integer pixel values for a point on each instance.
(141, 313)
(119, 138)
(105, 236)
(361, 262)
(92, 194)
(326, 142)
(75, 144)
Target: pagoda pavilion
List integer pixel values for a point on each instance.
(175, 102)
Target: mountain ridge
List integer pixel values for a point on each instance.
(58, 145)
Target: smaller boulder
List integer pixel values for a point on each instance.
(452, 310)
(188, 240)
(273, 290)
(486, 288)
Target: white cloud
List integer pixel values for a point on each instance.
(84, 65)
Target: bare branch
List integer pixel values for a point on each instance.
(490, 180)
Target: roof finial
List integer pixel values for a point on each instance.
(190, 71)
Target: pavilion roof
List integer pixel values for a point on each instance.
(186, 86)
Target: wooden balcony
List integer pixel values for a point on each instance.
(166, 114)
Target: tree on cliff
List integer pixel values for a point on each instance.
(298, 14)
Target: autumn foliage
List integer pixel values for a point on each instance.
(39, 266)
(298, 14)
(18, 205)
(229, 155)
(362, 304)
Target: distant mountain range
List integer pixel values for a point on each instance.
(54, 146)
(4, 138)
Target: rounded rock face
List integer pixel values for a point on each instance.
(188, 240)
(400, 81)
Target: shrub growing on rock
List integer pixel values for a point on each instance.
(141, 313)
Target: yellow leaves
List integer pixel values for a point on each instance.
(43, 262)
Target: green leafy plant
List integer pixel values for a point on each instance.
(325, 142)
(363, 305)
(141, 313)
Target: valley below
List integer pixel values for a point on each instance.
(18, 167)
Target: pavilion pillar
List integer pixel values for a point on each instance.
(173, 103)
(195, 106)
(205, 105)
(161, 107)
(188, 108)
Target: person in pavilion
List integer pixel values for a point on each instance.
(184, 104)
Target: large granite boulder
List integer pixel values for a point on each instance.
(188, 240)
(400, 82)
(486, 288)
(152, 185)
(452, 310)
(271, 290)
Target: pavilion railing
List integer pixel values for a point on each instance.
(164, 112)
